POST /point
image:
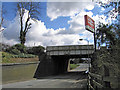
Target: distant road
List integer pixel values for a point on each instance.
(68, 80)
(82, 67)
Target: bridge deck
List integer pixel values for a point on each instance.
(70, 50)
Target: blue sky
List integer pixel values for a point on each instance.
(59, 23)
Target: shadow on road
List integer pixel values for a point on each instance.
(69, 75)
(73, 80)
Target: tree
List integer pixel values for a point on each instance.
(17, 49)
(33, 11)
(110, 34)
(114, 8)
(20, 47)
(106, 35)
(114, 13)
(36, 50)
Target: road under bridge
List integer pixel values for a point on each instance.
(56, 60)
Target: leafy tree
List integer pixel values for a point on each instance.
(17, 49)
(110, 34)
(105, 35)
(20, 47)
(36, 50)
(111, 12)
(33, 11)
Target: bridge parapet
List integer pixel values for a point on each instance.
(70, 50)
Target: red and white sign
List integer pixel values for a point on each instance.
(89, 24)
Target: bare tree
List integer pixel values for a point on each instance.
(33, 13)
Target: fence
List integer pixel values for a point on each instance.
(96, 82)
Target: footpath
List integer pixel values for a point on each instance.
(67, 81)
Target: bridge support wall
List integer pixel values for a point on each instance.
(45, 67)
(51, 66)
(61, 64)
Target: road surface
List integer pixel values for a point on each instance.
(72, 79)
(82, 67)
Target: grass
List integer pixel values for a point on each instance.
(73, 66)
(6, 57)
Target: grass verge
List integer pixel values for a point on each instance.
(11, 58)
(73, 66)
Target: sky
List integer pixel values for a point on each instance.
(59, 23)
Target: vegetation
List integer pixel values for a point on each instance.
(73, 66)
(6, 57)
(109, 34)
(106, 60)
(21, 51)
(33, 11)
(16, 49)
(36, 50)
(106, 35)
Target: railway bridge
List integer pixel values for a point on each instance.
(57, 58)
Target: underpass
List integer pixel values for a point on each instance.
(53, 69)
(71, 80)
(57, 58)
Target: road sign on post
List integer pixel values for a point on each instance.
(89, 24)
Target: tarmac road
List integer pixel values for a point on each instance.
(82, 67)
(72, 79)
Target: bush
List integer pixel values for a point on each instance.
(6, 57)
(17, 49)
(36, 50)
(106, 58)
(22, 55)
(20, 47)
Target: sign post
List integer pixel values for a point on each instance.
(90, 26)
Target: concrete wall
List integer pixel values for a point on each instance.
(51, 66)
(61, 64)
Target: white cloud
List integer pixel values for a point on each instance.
(76, 11)
(11, 33)
(77, 26)
(69, 0)
(40, 35)
(56, 9)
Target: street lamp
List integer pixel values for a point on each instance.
(1, 29)
(88, 53)
(84, 39)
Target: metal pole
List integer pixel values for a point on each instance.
(94, 39)
(88, 54)
(88, 63)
